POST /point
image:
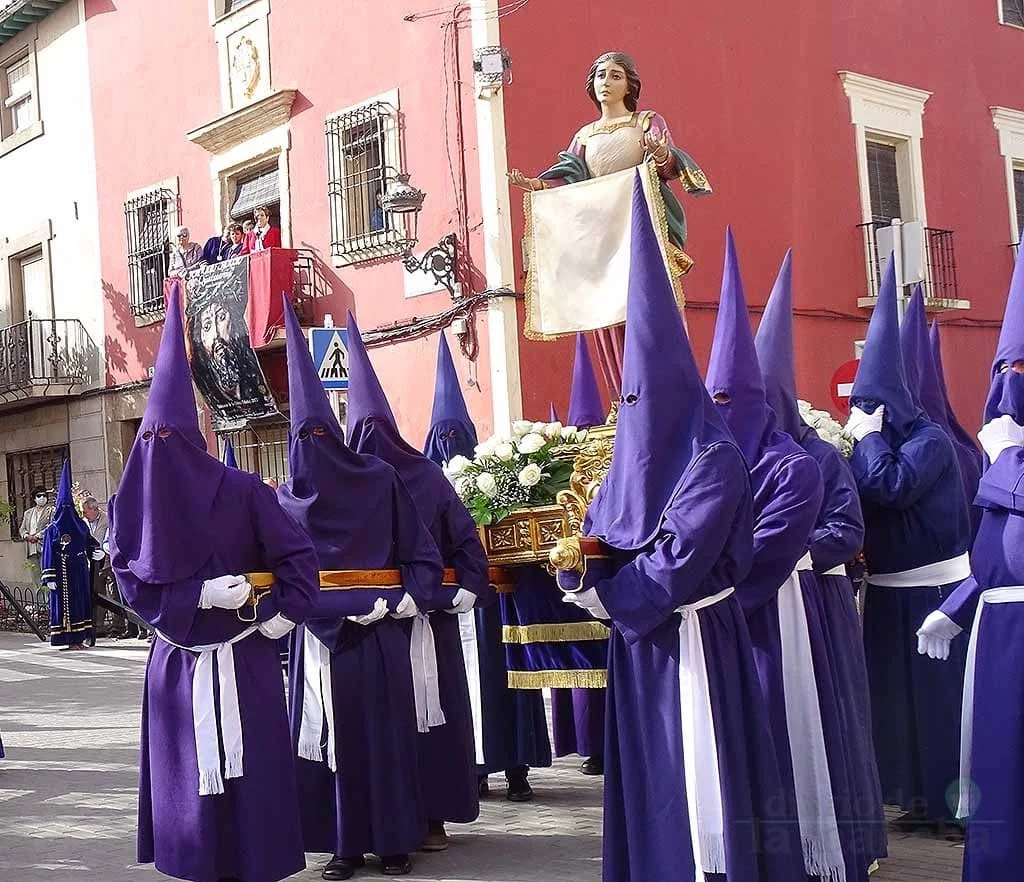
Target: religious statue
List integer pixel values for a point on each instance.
(621, 139)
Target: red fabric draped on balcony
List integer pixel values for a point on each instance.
(270, 275)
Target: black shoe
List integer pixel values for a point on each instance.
(593, 766)
(519, 789)
(483, 788)
(342, 867)
(395, 864)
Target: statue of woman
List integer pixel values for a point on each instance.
(622, 138)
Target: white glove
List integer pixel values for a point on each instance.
(588, 600)
(226, 592)
(50, 586)
(862, 424)
(380, 609)
(406, 608)
(276, 627)
(106, 546)
(98, 554)
(462, 602)
(935, 635)
(999, 434)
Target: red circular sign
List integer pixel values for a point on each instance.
(842, 384)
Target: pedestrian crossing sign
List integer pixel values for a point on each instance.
(329, 347)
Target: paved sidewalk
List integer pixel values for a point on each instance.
(68, 800)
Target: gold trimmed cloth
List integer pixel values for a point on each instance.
(555, 633)
(579, 241)
(595, 678)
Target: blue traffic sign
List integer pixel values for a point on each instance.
(329, 347)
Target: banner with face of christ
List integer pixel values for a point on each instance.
(224, 364)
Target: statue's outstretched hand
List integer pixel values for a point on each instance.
(656, 146)
(517, 179)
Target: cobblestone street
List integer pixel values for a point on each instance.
(67, 790)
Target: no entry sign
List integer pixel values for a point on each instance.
(842, 385)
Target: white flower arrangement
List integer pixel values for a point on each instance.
(827, 427)
(516, 471)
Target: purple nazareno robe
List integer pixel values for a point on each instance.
(179, 518)
(513, 727)
(360, 517)
(837, 538)
(447, 752)
(675, 510)
(992, 759)
(917, 532)
(577, 715)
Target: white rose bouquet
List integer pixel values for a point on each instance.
(513, 472)
(827, 428)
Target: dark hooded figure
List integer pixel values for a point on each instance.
(354, 702)
(67, 550)
(446, 746)
(217, 797)
(923, 383)
(991, 797)
(577, 715)
(837, 538)
(916, 536)
(509, 725)
(691, 781)
(779, 595)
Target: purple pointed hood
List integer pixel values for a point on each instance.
(372, 429)
(665, 418)
(162, 510)
(963, 437)
(328, 478)
(452, 432)
(734, 375)
(1006, 392)
(229, 455)
(774, 345)
(913, 340)
(585, 409)
(881, 378)
(66, 520)
(553, 416)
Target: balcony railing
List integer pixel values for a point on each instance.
(941, 289)
(42, 357)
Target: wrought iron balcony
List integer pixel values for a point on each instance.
(941, 290)
(44, 358)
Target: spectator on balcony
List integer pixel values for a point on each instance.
(266, 235)
(213, 250)
(248, 236)
(185, 255)
(236, 243)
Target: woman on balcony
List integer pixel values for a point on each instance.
(185, 255)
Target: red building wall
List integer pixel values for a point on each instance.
(752, 91)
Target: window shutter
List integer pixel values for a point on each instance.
(1018, 198)
(1013, 12)
(883, 182)
(259, 189)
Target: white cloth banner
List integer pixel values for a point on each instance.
(204, 712)
(471, 656)
(700, 745)
(816, 811)
(1008, 594)
(578, 241)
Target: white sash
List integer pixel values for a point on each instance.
(317, 702)
(426, 689)
(471, 655)
(836, 571)
(204, 712)
(816, 812)
(942, 572)
(1008, 594)
(700, 746)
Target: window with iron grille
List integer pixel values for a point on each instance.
(262, 450)
(1013, 12)
(149, 238)
(27, 470)
(362, 157)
